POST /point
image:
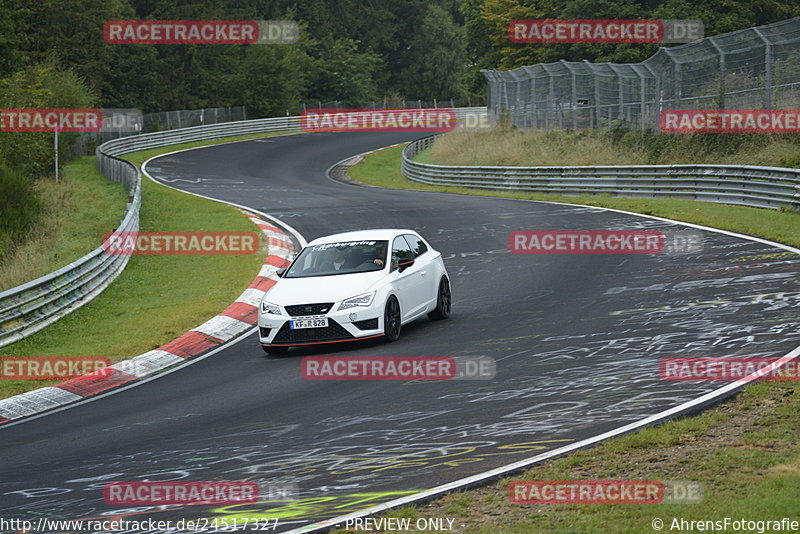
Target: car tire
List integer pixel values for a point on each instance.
(275, 350)
(391, 320)
(443, 301)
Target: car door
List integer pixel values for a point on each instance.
(408, 280)
(427, 271)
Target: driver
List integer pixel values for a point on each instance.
(338, 258)
(381, 253)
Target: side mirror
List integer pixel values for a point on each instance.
(280, 272)
(395, 263)
(405, 265)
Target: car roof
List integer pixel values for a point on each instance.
(382, 234)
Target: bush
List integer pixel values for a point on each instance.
(40, 85)
(19, 207)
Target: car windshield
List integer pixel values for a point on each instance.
(345, 257)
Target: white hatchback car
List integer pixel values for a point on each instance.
(355, 285)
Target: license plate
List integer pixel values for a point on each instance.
(298, 324)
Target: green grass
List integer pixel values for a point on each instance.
(156, 298)
(745, 452)
(382, 168)
(748, 469)
(78, 209)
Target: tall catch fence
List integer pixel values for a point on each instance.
(756, 68)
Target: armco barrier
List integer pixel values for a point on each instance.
(32, 306)
(747, 185)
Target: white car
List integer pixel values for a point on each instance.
(355, 285)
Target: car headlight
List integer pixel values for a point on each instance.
(364, 299)
(268, 307)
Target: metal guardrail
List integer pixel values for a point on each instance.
(28, 308)
(747, 185)
(32, 306)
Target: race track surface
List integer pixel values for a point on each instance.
(577, 340)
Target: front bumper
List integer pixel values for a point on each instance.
(347, 325)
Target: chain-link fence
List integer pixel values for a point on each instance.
(386, 104)
(173, 120)
(158, 122)
(756, 68)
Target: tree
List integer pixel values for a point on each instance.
(342, 73)
(434, 61)
(14, 41)
(40, 85)
(73, 32)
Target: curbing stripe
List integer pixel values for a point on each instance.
(251, 296)
(262, 283)
(264, 226)
(237, 319)
(190, 344)
(270, 270)
(242, 311)
(94, 383)
(31, 402)
(279, 258)
(222, 327)
(276, 240)
(280, 252)
(147, 363)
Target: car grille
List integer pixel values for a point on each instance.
(333, 332)
(367, 324)
(265, 331)
(299, 310)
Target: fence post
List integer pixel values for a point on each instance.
(534, 109)
(573, 94)
(620, 96)
(678, 82)
(656, 96)
(721, 53)
(642, 98)
(767, 69)
(593, 70)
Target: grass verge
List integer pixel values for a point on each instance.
(156, 298)
(745, 450)
(745, 453)
(382, 168)
(617, 146)
(83, 205)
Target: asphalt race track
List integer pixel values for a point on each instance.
(577, 340)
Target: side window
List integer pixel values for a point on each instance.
(417, 245)
(401, 252)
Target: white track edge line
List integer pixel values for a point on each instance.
(329, 523)
(189, 361)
